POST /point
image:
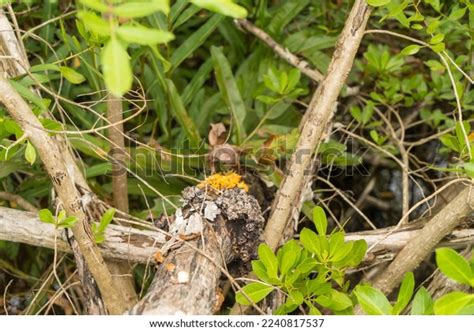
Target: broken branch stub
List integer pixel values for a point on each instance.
(187, 281)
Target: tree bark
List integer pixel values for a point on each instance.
(418, 248)
(125, 280)
(140, 246)
(319, 111)
(62, 177)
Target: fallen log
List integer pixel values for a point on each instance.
(139, 245)
(124, 243)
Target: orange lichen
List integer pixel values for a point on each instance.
(225, 181)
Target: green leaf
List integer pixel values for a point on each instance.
(438, 48)
(335, 300)
(367, 112)
(310, 241)
(256, 292)
(259, 269)
(454, 303)
(72, 75)
(95, 4)
(378, 3)
(372, 300)
(224, 7)
(336, 243)
(356, 113)
(410, 50)
(458, 13)
(27, 94)
(357, 254)
(320, 220)
(288, 261)
(437, 39)
(405, 293)
(194, 41)
(269, 260)
(143, 36)
(68, 222)
(140, 9)
(182, 115)
(454, 266)
(295, 298)
(469, 169)
(116, 67)
(229, 91)
(422, 303)
(106, 219)
(94, 23)
(293, 79)
(341, 254)
(30, 153)
(46, 216)
(271, 80)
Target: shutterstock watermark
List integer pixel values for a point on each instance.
(151, 162)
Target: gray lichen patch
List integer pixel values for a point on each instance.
(241, 212)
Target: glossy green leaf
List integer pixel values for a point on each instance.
(106, 218)
(46, 216)
(143, 36)
(372, 300)
(378, 3)
(30, 153)
(95, 23)
(341, 253)
(422, 303)
(224, 7)
(259, 269)
(436, 39)
(116, 67)
(455, 303)
(256, 292)
(310, 241)
(454, 266)
(95, 4)
(295, 298)
(288, 261)
(320, 220)
(405, 293)
(67, 222)
(410, 50)
(269, 260)
(469, 169)
(132, 9)
(229, 91)
(72, 75)
(335, 300)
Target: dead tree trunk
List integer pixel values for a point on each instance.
(187, 281)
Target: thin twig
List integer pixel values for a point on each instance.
(284, 53)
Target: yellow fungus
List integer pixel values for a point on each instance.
(225, 181)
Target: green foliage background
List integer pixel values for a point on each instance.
(184, 65)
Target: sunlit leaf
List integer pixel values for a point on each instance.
(116, 67)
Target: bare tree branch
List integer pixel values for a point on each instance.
(418, 247)
(53, 158)
(120, 189)
(284, 53)
(319, 111)
(19, 200)
(139, 246)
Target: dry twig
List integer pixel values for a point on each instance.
(284, 53)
